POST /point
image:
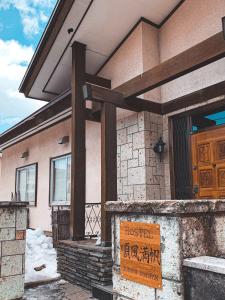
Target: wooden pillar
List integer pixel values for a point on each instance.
(78, 153)
(108, 167)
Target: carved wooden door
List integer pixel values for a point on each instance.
(208, 162)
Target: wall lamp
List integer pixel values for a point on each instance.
(24, 154)
(223, 24)
(159, 147)
(64, 140)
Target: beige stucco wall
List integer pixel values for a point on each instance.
(42, 147)
(137, 54)
(193, 22)
(127, 61)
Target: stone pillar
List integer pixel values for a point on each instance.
(13, 224)
(188, 228)
(140, 172)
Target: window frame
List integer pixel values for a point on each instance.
(36, 182)
(51, 178)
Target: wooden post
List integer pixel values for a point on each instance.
(108, 167)
(78, 154)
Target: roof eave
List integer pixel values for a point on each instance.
(52, 29)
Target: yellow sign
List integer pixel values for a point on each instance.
(140, 253)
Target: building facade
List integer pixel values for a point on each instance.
(177, 111)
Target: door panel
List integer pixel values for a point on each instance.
(208, 161)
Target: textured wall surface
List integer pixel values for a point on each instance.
(13, 223)
(42, 147)
(140, 171)
(182, 236)
(205, 285)
(84, 264)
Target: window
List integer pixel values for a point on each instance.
(26, 184)
(60, 183)
(206, 120)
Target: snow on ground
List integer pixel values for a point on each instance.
(39, 251)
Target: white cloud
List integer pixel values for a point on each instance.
(43, 17)
(14, 59)
(30, 26)
(32, 13)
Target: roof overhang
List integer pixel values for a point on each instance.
(101, 25)
(60, 109)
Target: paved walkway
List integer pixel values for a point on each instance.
(60, 290)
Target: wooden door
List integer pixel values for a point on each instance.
(208, 163)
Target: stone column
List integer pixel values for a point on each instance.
(13, 224)
(140, 172)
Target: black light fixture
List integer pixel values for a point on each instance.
(24, 154)
(70, 30)
(159, 147)
(223, 24)
(64, 140)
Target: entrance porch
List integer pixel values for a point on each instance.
(146, 178)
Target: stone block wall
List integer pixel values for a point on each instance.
(204, 278)
(13, 224)
(186, 230)
(84, 264)
(140, 172)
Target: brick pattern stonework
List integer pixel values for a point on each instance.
(84, 264)
(140, 172)
(13, 223)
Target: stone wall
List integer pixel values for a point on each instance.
(140, 171)
(187, 229)
(84, 264)
(13, 224)
(204, 278)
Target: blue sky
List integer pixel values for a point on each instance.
(22, 23)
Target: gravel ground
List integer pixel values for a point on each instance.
(57, 291)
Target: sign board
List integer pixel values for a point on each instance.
(140, 253)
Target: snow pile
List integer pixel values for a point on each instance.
(39, 251)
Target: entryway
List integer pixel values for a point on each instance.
(208, 163)
(198, 153)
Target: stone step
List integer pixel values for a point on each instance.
(102, 292)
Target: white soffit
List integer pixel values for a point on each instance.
(104, 26)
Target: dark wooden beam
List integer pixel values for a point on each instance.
(99, 94)
(93, 116)
(194, 98)
(93, 79)
(108, 167)
(96, 106)
(138, 104)
(202, 122)
(191, 59)
(78, 151)
(63, 102)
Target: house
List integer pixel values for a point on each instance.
(142, 82)
(37, 166)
